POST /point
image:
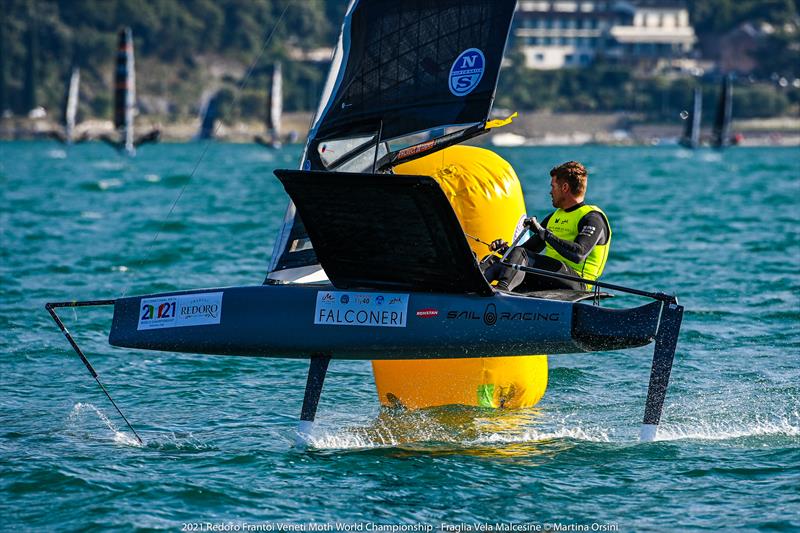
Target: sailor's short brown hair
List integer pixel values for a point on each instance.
(572, 173)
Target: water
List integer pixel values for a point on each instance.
(721, 232)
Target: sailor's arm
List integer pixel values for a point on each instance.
(535, 244)
(591, 229)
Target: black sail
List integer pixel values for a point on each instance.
(691, 131)
(125, 89)
(721, 136)
(400, 58)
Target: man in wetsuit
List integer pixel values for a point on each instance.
(575, 239)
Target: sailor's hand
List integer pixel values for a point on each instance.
(535, 227)
(498, 245)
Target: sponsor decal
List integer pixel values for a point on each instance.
(361, 309)
(428, 313)
(181, 310)
(491, 316)
(416, 149)
(466, 72)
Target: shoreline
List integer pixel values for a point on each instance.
(529, 129)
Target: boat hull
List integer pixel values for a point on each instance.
(296, 321)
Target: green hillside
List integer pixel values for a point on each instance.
(185, 49)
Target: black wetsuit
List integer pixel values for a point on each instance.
(592, 230)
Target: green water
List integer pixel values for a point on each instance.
(720, 230)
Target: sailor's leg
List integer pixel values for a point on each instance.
(663, 355)
(508, 278)
(317, 369)
(538, 282)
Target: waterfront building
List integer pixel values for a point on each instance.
(555, 34)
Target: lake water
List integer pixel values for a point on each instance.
(721, 230)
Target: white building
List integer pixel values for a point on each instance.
(560, 33)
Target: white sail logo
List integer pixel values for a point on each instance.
(466, 72)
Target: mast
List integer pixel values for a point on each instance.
(125, 91)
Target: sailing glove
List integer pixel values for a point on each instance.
(498, 245)
(535, 227)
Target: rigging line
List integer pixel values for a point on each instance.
(477, 239)
(242, 85)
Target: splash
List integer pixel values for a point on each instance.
(111, 183)
(448, 428)
(534, 435)
(712, 157)
(109, 165)
(783, 427)
(119, 437)
(57, 154)
(178, 442)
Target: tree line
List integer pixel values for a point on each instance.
(184, 48)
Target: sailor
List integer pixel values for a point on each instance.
(575, 239)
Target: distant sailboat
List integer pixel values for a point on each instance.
(125, 100)
(274, 110)
(721, 134)
(691, 131)
(209, 113)
(66, 134)
(71, 103)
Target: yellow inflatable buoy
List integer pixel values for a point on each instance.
(487, 198)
